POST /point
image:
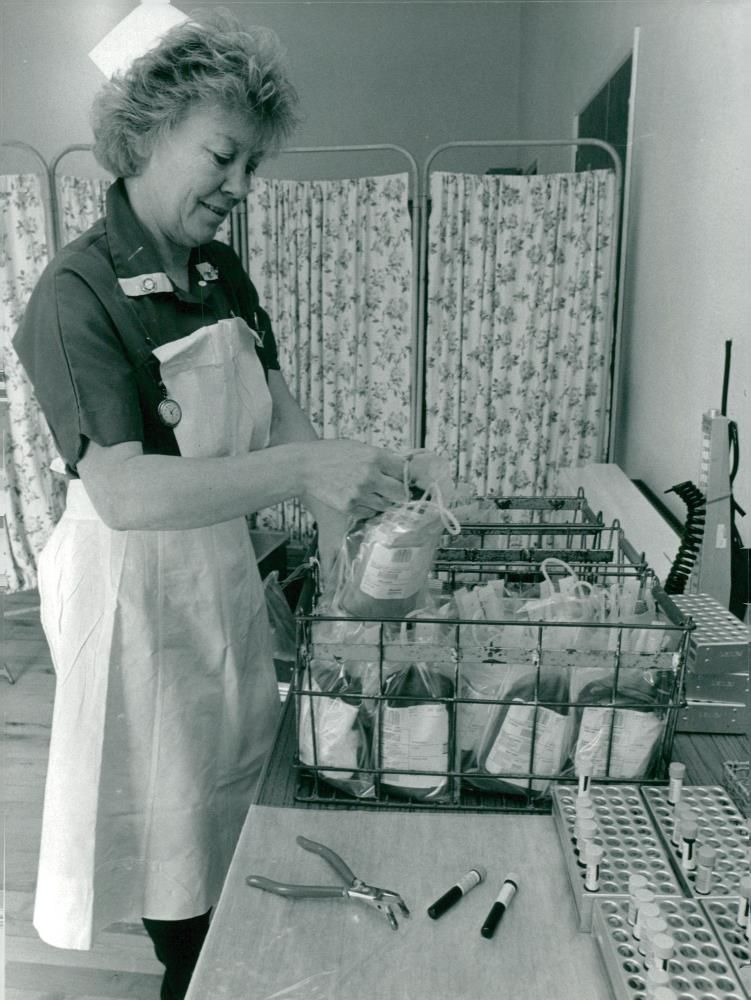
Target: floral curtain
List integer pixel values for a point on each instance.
(332, 261)
(34, 497)
(81, 201)
(519, 330)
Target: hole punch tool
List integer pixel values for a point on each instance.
(355, 889)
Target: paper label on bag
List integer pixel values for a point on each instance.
(634, 737)
(336, 738)
(394, 572)
(416, 737)
(512, 750)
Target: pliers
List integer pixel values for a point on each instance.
(381, 899)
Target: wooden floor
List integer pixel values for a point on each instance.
(122, 964)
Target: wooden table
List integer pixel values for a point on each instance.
(261, 946)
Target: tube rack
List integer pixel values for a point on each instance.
(629, 841)
(699, 969)
(720, 825)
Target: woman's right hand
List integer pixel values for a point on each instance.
(356, 479)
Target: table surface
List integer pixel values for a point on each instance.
(262, 946)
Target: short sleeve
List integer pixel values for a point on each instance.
(82, 378)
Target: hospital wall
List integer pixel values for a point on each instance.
(686, 287)
(414, 75)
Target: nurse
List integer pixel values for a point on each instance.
(157, 371)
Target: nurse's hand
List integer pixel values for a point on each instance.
(356, 479)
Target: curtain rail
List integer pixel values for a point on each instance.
(47, 196)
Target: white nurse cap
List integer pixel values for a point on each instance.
(140, 31)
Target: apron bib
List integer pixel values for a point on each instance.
(166, 700)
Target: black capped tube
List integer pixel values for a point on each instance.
(473, 877)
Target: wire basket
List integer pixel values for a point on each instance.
(362, 736)
(513, 536)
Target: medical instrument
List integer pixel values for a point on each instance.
(465, 884)
(355, 889)
(689, 830)
(499, 907)
(652, 927)
(676, 773)
(593, 856)
(646, 910)
(705, 858)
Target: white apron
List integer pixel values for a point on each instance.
(166, 698)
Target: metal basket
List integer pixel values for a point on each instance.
(384, 649)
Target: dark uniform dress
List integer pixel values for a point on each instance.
(166, 698)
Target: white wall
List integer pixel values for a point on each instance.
(415, 75)
(688, 281)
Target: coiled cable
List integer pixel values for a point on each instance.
(691, 539)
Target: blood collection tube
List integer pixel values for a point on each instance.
(584, 810)
(593, 858)
(636, 884)
(682, 810)
(688, 833)
(587, 833)
(465, 884)
(645, 913)
(663, 946)
(744, 902)
(655, 978)
(584, 770)
(676, 773)
(651, 926)
(705, 859)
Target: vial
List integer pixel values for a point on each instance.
(688, 833)
(682, 810)
(584, 770)
(587, 833)
(593, 858)
(645, 912)
(650, 927)
(584, 810)
(663, 946)
(705, 859)
(654, 978)
(637, 884)
(676, 773)
(744, 902)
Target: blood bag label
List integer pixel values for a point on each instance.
(512, 749)
(416, 737)
(336, 737)
(394, 572)
(634, 737)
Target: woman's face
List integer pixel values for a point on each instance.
(196, 174)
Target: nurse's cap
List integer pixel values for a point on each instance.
(135, 35)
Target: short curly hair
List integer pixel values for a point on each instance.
(216, 62)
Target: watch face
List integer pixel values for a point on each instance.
(169, 412)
